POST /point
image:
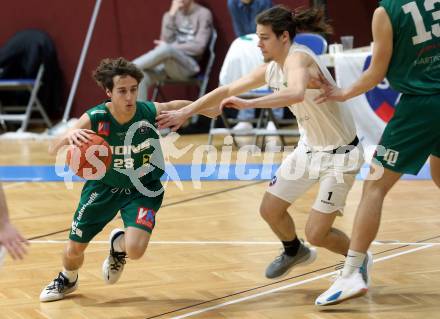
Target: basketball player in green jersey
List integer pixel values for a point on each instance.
(406, 36)
(132, 183)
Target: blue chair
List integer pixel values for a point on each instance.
(315, 42)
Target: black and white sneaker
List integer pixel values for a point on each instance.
(58, 288)
(114, 264)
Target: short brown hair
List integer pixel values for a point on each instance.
(281, 19)
(109, 68)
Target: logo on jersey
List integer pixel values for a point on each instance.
(391, 157)
(121, 135)
(146, 217)
(145, 159)
(382, 99)
(143, 128)
(104, 128)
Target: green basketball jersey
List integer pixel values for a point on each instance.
(415, 64)
(141, 150)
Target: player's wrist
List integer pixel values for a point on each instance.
(186, 112)
(346, 94)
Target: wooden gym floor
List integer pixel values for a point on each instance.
(208, 253)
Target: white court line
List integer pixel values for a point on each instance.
(267, 292)
(232, 243)
(12, 185)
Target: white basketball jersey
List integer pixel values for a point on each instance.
(323, 126)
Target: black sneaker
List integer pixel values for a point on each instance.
(58, 288)
(114, 264)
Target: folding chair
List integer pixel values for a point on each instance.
(201, 79)
(32, 86)
(266, 114)
(315, 42)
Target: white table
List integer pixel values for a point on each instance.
(329, 58)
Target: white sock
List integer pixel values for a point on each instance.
(117, 243)
(353, 262)
(72, 275)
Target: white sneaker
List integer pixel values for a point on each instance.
(58, 288)
(273, 143)
(271, 126)
(348, 287)
(243, 127)
(113, 265)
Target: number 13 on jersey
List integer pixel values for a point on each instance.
(423, 34)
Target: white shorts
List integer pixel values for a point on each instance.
(301, 169)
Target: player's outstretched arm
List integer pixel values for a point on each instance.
(212, 100)
(171, 105)
(10, 238)
(296, 67)
(178, 104)
(376, 72)
(76, 135)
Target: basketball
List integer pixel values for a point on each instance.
(91, 160)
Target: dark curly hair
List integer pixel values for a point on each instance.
(281, 19)
(109, 68)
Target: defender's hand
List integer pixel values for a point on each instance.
(331, 93)
(235, 103)
(171, 119)
(13, 241)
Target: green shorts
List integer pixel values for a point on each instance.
(412, 135)
(99, 204)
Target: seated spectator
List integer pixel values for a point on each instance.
(20, 57)
(186, 29)
(243, 13)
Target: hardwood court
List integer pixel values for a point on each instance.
(209, 251)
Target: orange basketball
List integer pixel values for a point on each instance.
(91, 160)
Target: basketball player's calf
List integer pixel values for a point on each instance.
(320, 233)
